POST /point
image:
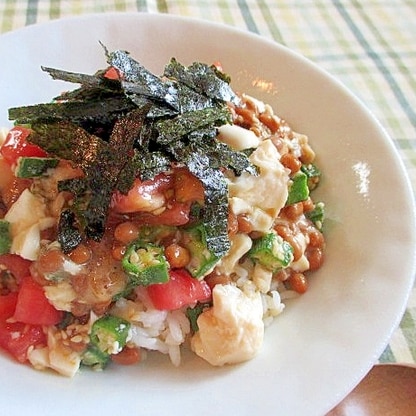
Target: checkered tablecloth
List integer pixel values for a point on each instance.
(369, 45)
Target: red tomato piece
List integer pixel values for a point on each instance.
(218, 66)
(144, 196)
(16, 265)
(16, 338)
(187, 187)
(7, 305)
(177, 214)
(33, 307)
(181, 290)
(112, 73)
(16, 146)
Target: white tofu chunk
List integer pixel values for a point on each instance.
(237, 137)
(232, 331)
(268, 190)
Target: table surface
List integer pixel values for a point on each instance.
(369, 45)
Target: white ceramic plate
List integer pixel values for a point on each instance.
(324, 342)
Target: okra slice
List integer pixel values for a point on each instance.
(94, 357)
(109, 335)
(5, 238)
(317, 215)
(146, 264)
(299, 190)
(313, 174)
(272, 252)
(33, 167)
(194, 238)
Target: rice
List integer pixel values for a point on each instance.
(152, 329)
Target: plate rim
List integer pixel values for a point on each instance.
(238, 31)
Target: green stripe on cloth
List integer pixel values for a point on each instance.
(141, 5)
(372, 54)
(226, 12)
(270, 21)
(162, 6)
(31, 15)
(387, 356)
(248, 18)
(55, 9)
(408, 328)
(8, 15)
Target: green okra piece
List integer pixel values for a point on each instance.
(298, 190)
(202, 258)
(109, 335)
(272, 252)
(5, 238)
(145, 263)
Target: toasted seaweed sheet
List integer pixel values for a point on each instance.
(138, 126)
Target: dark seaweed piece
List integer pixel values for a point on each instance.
(102, 110)
(215, 209)
(191, 100)
(69, 235)
(95, 106)
(173, 129)
(96, 85)
(146, 165)
(89, 94)
(137, 80)
(105, 174)
(95, 215)
(74, 77)
(220, 154)
(102, 163)
(67, 141)
(139, 126)
(203, 78)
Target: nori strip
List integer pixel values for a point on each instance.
(191, 100)
(172, 129)
(102, 163)
(146, 165)
(136, 79)
(74, 77)
(138, 126)
(98, 111)
(105, 176)
(68, 233)
(67, 141)
(215, 209)
(202, 78)
(219, 153)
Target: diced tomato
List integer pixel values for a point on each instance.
(33, 307)
(16, 146)
(218, 66)
(111, 73)
(16, 265)
(144, 196)
(16, 338)
(187, 187)
(171, 194)
(7, 175)
(7, 305)
(177, 214)
(11, 194)
(181, 290)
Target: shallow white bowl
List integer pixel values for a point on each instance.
(325, 341)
